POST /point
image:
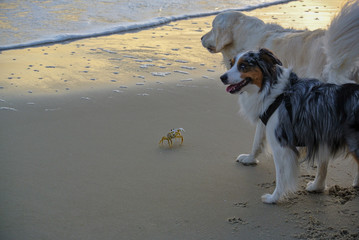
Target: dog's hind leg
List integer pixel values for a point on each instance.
(356, 178)
(250, 159)
(318, 185)
(352, 137)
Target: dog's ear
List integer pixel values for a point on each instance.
(222, 32)
(267, 56)
(223, 38)
(223, 27)
(268, 62)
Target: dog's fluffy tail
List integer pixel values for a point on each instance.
(341, 45)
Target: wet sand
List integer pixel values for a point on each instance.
(80, 126)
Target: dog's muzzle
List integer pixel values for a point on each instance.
(224, 79)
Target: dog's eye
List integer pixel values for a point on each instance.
(242, 66)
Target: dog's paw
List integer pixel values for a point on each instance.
(247, 159)
(312, 186)
(356, 182)
(269, 198)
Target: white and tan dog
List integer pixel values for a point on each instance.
(330, 55)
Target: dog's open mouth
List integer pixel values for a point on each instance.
(235, 88)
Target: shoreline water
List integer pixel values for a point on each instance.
(124, 28)
(80, 157)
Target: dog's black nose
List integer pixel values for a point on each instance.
(202, 37)
(224, 78)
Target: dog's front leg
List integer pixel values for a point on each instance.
(286, 170)
(286, 166)
(250, 159)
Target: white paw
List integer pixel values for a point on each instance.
(269, 198)
(247, 159)
(312, 186)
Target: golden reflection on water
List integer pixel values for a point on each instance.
(8, 5)
(3, 23)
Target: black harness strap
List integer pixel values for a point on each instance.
(271, 109)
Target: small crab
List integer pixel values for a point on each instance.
(173, 134)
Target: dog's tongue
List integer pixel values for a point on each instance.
(231, 88)
(234, 88)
